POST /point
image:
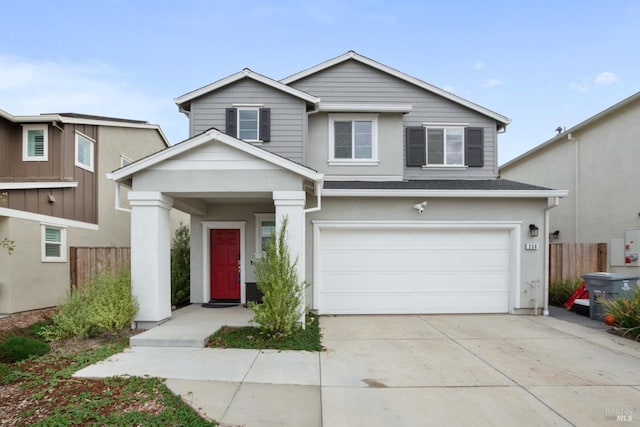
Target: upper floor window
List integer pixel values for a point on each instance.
(249, 123)
(124, 161)
(84, 151)
(435, 145)
(54, 240)
(35, 145)
(445, 146)
(353, 138)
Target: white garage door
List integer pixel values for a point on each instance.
(412, 270)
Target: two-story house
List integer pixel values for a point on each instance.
(54, 194)
(389, 184)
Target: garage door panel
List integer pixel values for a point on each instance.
(413, 270)
(344, 282)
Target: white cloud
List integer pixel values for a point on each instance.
(492, 83)
(29, 87)
(478, 65)
(605, 78)
(580, 87)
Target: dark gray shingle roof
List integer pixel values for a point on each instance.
(433, 184)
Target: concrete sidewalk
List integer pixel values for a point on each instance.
(409, 370)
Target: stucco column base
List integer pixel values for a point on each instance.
(151, 256)
(290, 205)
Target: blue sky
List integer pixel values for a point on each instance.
(543, 64)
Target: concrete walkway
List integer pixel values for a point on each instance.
(498, 370)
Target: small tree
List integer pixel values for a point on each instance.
(180, 266)
(277, 278)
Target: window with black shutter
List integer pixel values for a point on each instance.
(416, 148)
(474, 147)
(251, 124)
(437, 145)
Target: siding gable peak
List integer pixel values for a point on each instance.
(184, 102)
(352, 55)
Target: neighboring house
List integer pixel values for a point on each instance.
(348, 151)
(597, 161)
(54, 194)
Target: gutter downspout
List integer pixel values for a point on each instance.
(556, 202)
(577, 185)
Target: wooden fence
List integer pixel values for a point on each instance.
(86, 263)
(569, 260)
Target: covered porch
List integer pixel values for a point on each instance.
(235, 192)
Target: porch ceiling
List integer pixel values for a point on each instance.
(198, 203)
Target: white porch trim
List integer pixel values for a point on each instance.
(290, 204)
(206, 255)
(151, 256)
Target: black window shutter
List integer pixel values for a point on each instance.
(474, 147)
(265, 125)
(232, 122)
(416, 146)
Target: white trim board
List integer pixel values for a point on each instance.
(52, 220)
(28, 185)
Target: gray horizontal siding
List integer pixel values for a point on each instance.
(354, 82)
(287, 114)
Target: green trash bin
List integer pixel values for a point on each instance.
(608, 286)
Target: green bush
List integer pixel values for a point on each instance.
(626, 312)
(277, 278)
(104, 305)
(16, 348)
(180, 265)
(559, 292)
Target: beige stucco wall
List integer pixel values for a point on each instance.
(26, 282)
(526, 211)
(602, 201)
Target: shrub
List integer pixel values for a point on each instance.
(16, 348)
(626, 312)
(180, 265)
(559, 292)
(104, 304)
(277, 278)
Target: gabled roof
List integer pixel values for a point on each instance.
(84, 119)
(184, 101)
(351, 55)
(577, 128)
(212, 134)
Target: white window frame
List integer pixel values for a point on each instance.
(444, 128)
(260, 218)
(25, 143)
(257, 110)
(62, 243)
(92, 142)
(373, 118)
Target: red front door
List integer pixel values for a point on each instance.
(225, 264)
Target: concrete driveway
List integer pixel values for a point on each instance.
(498, 370)
(475, 370)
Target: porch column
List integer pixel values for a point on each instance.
(290, 204)
(151, 256)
